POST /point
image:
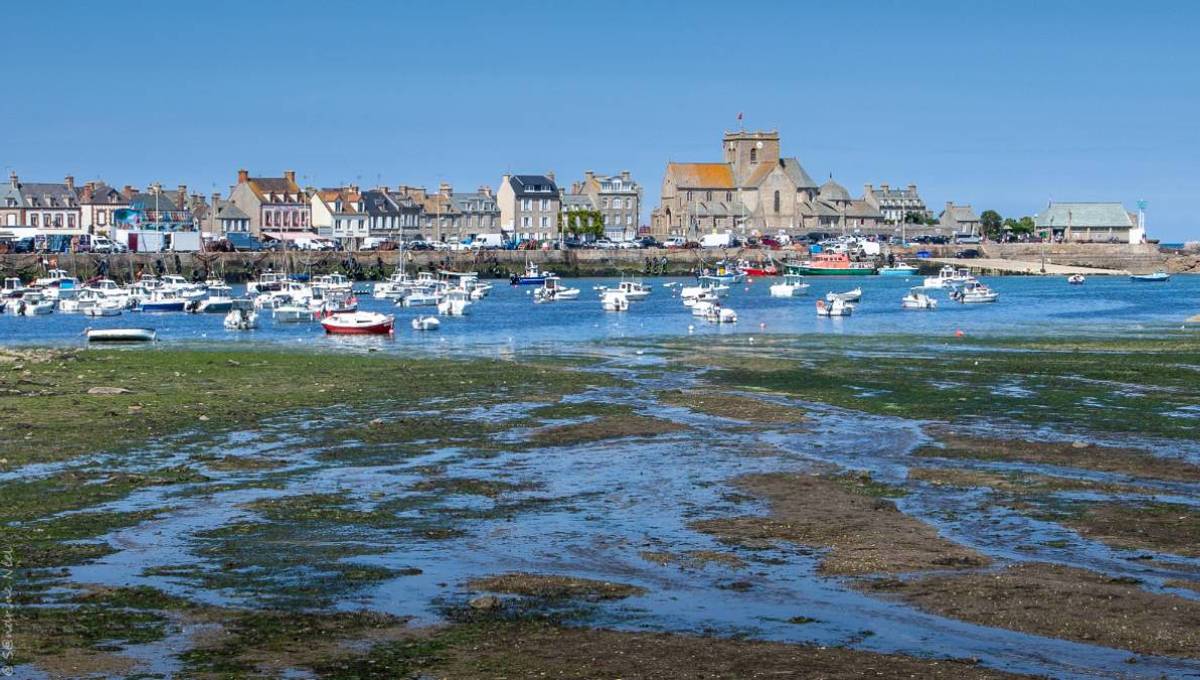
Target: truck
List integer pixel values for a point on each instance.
(716, 240)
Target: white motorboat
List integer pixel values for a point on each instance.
(215, 304)
(426, 323)
(793, 286)
(421, 297)
(120, 334)
(455, 303)
(216, 286)
(266, 283)
(108, 288)
(702, 307)
(614, 301)
(898, 269)
(848, 296)
(337, 283)
(835, 308)
(182, 288)
(291, 313)
(551, 291)
(30, 305)
(1076, 279)
(102, 308)
(241, 320)
(53, 277)
(975, 292)
(948, 277)
(702, 296)
(634, 290)
(719, 314)
(917, 299)
(85, 299)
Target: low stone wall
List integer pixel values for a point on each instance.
(1137, 258)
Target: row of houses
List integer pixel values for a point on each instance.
(527, 206)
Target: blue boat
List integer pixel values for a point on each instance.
(533, 276)
(898, 269)
(1152, 278)
(163, 306)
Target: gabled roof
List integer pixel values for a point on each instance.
(1101, 215)
(378, 203)
(960, 213)
(790, 167)
(227, 210)
(48, 195)
(163, 201)
(533, 186)
(860, 208)
(832, 191)
(702, 175)
(579, 200)
(819, 208)
(345, 196)
(482, 202)
(269, 189)
(101, 194)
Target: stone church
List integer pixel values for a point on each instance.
(755, 189)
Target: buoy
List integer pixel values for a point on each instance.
(691, 328)
(959, 333)
(763, 324)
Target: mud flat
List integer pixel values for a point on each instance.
(851, 517)
(734, 406)
(1061, 602)
(1164, 527)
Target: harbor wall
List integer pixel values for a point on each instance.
(500, 263)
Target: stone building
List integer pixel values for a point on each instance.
(390, 216)
(49, 207)
(224, 217)
(1091, 223)
(97, 203)
(339, 213)
(959, 219)
(896, 204)
(618, 198)
(529, 206)
(754, 189)
(276, 205)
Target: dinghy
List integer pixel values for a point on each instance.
(426, 323)
(120, 334)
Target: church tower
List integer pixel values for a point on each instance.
(747, 151)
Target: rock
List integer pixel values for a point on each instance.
(486, 603)
(107, 390)
(203, 418)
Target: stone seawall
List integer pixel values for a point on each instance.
(1137, 258)
(237, 267)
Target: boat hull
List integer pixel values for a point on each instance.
(834, 271)
(335, 325)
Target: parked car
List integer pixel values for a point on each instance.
(604, 243)
(572, 242)
(649, 242)
(675, 242)
(771, 243)
(418, 244)
(967, 254)
(102, 244)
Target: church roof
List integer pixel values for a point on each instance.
(702, 175)
(790, 166)
(833, 191)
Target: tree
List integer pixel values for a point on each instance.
(914, 217)
(582, 223)
(991, 222)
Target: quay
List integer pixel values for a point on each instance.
(1001, 266)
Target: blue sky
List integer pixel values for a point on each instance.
(1004, 105)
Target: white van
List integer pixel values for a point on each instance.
(716, 240)
(488, 241)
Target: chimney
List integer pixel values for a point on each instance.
(883, 188)
(290, 175)
(128, 192)
(912, 189)
(550, 175)
(625, 176)
(69, 180)
(183, 195)
(89, 190)
(156, 188)
(587, 176)
(12, 178)
(216, 200)
(485, 190)
(445, 189)
(243, 176)
(868, 189)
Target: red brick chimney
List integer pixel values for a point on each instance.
(183, 197)
(243, 176)
(128, 192)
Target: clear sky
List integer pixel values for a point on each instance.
(1004, 105)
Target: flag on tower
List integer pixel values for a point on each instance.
(739, 116)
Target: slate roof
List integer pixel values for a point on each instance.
(1099, 215)
(102, 194)
(227, 210)
(48, 195)
(146, 201)
(580, 200)
(482, 202)
(533, 186)
(832, 191)
(276, 190)
(702, 175)
(860, 208)
(378, 203)
(819, 208)
(791, 167)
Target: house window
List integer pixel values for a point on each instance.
(526, 222)
(33, 219)
(101, 217)
(708, 196)
(545, 222)
(527, 204)
(70, 221)
(776, 200)
(753, 155)
(629, 203)
(545, 204)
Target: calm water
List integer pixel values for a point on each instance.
(508, 318)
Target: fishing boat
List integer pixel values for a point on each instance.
(102, 308)
(120, 334)
(455, 303)
(359, 323)
(724, 273)
(974, 292)
(292, 313)
(182, 288)
(752, 269)
(719, 314)
(835, 308)
(1076, 279)
(948, 277)
(634, 290)
(533, 275)
(13, 288)
(268, 282)
(159, 300)
(552, 290)
(793, 285)
(898, 269)
(848, 296)
(614, 301)
(426, 323)
(829, 264)
(1156, 277)
(708, 284)
(917, 298)
(241, 320)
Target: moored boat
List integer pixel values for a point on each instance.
(614, 301)
(1075, 279)
(848, 296)
(948, 277)
(533, 275)
(359, 323)
(917, 298)
(241, 319)
(974, 292)
(120, 334)
(829, 264)
(898, 269)
(1156, 277)
(835, 308)
(426, 323)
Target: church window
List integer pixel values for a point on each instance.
(753, 155)
(776, 201)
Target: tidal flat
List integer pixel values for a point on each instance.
(656, 509)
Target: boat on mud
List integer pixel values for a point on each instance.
(359, 323)
(120, 334)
